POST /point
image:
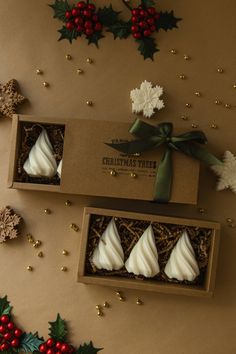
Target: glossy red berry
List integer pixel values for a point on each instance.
(81, 5)
(142, 24)
(68, 14)
(7, 336)
(10, 326)
(151, 10)
(150, 21)
(74, 12)
(98, 26)
(50, 351)
(137, 35)
(135, 12)
(80, 28)
(143, 13)
(87, 13)
(134, 29)
(5, 319)
(65, 348)
(18, 332)
(43, 348)
(135, 19)
(91, 7)
(15, 343)
(50, 342)
(95, 18)
(147, 33)
(4, 347)
(69, 25)
(88, 24)
(79, 21)
(89, 31)
(2, 329)
(58, 345)
(152, 28)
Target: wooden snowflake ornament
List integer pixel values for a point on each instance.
(226, 172)
(9, 98)
(9, 224)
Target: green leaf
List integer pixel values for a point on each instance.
(67, 34)
(57, 329)
(147, 3)
(107, 15)
(147, 47)
(60, 7)
(167, 21)
(5, 307)
(30, 342)
(94, 38)
(120, 29)
(88, 349)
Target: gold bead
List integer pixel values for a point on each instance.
(133, 175)
(113, 173)
(39, 72)
(217, 101)
(137, 154)
(232, 225)
(227, 105)
(139, 301)
(182, 76)
(37, 244)
(193, 125)
(30, 268)
(220, 70)
(68, 57)
(121, 298)
(80, 71)
(197, 93)
(46, 84)
(64, 269)
(65, 252)
(98, 307)
(74, 227)
(184, 117)
(100, 313)
(68, 203)
(89, 103)
(47, 211)
(40, 254)
(118, 293)
(234, 86)
(188, 105)
(30, 238)
(173, 51)
(229, 220)
(202, 210)
(106, 304)
(214, 126)
(186, 57)
(89, 60)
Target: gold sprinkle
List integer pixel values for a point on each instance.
(202, 210)
(89, 60)
(98, 307)
(89, 103)
(133, 175)
(121, 298)
(217, 101)
(106, 304)
(220, 70)
(229, 220)
(139, 301)
(46, 84)
(182, 76)
(113, 173)
(188, 105)
(227, 105)
(37, 244)
(197, 93)
(39, 72)
(193, 125)
(74, 227)
(68, 57)
(184, 117)
(173, 51)
(47, 211)
(30, 238)
(214, 126)
(40, 254)
(186, 57)
(65, 252)
(100, 313)
(64, 269)
(80, 71)
(30, 268)
(68, 203)
(234, 86)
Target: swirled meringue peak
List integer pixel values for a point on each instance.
(41, 161)
(109, 253)
(59, 168)
(143, 259)
(182, 264)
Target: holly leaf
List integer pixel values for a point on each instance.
(120, 29)
(167, 21)
(108, 16)
(147, 3)
(57, 329)
(94, 38)
(67, 34)
(147, 47)
(5, 307)
(60, 7)
(88, 349)
(30, 342)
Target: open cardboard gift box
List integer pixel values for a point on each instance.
(88, 162)
(204, 236)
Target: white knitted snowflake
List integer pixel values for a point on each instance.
(146, 99)
(226, 172)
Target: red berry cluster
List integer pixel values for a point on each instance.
(84, 19)
(143, 21)
(9, 334)
(52, 346)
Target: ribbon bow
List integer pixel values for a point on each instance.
(151, 137)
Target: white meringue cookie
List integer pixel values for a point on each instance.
(59, 168)
(182, 264)
(109, 254)
(41, 161)
(143, 259)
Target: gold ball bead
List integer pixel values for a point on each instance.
(98, 307)
(137, 154)
(46, 84)
(68, 203)
(89, 60)
(234, 86)
(100, 313)
(186, 57)
(118, 293)
(68, 57)
(220, 70)
(227, 105)
(30, 238)
(232, 225)
(64, 269)
(182, 76)
(202, 210)
(65, 252)
(217, 101)
(89, 103)
(139, 302)
(30, 268)
(214, 126)
(184, 117)
(173, 51)
(39, 72)
(80, 71)
(197, 93)
(133, 175)
(188, 105)
(229, 220)
(37, 244)
(40, 254)
(113, 173)
(193, 125)
(74, 227)
(121, 298)
(106, 304)
(47, 211)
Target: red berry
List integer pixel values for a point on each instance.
(91, 7)
(2, 329)
(65, 348)
(98, 26)
(151, 10)
(43, 348)
(58, 352)
(142, 24)
(5, 319)
(15, 343)
(10, 326)
(69, 25)
(8, 336)
(95, 18)
(68, 14)
(135, 19)
(143, 13)
(134, 29)
(4, 347)
(50, 351)
(89, 31)
(152, 28)
(79, 21)
(80, 28)
(74, 12)
(18, 332)
(135, 12)
(81, 5)
(150, 21)
(147, 33)
(88, 24)
(87, 13)
(137, 35)
(50, 342)
(58, 345)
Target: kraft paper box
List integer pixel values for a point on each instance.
(94, 222)
(88, 162)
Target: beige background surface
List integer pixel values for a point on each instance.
(165, 324)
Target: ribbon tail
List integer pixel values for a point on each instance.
(198, 153)
(163, 182)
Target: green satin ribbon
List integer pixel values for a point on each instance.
(151, 137)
